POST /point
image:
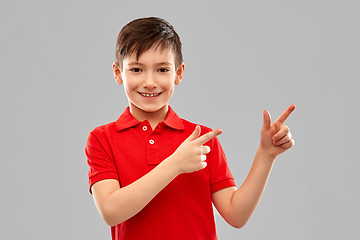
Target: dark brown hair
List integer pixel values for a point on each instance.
(142, 34)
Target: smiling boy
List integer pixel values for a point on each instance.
(154, 175)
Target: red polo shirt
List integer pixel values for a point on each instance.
(127, 149)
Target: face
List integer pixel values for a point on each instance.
(149, 81)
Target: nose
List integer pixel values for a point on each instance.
(149, 82)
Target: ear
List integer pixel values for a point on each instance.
(117, 73)
(179, 73)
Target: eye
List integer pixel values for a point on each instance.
(135, 70)
(163, 70)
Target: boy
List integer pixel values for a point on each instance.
(154, 175)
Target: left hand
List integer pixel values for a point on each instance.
(276, 137)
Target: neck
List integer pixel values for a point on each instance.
(153, 117)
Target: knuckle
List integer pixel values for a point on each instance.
(290, 143)
(285, 139)
(197, 152)
(206, 149)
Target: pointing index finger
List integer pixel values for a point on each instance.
(206, 137)
(286, 114)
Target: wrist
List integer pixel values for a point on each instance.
(171, 166)
(265, 156)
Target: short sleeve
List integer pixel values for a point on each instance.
(220, 175)
(101, 165)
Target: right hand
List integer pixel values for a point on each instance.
(190, 155)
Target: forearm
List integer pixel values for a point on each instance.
(247, 197)
(126, 202)
(237, 206)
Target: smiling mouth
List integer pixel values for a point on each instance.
(150, 95)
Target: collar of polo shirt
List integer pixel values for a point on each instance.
(126, 120)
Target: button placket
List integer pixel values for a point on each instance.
(152, 150)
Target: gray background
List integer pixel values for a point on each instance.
(241, 57)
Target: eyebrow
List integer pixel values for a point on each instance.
(140, 64)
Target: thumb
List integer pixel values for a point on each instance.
(267, 120)
(195, 134)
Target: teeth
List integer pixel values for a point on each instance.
(149, 95)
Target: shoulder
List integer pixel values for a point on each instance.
(103, 130)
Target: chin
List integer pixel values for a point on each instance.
(151, 109)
